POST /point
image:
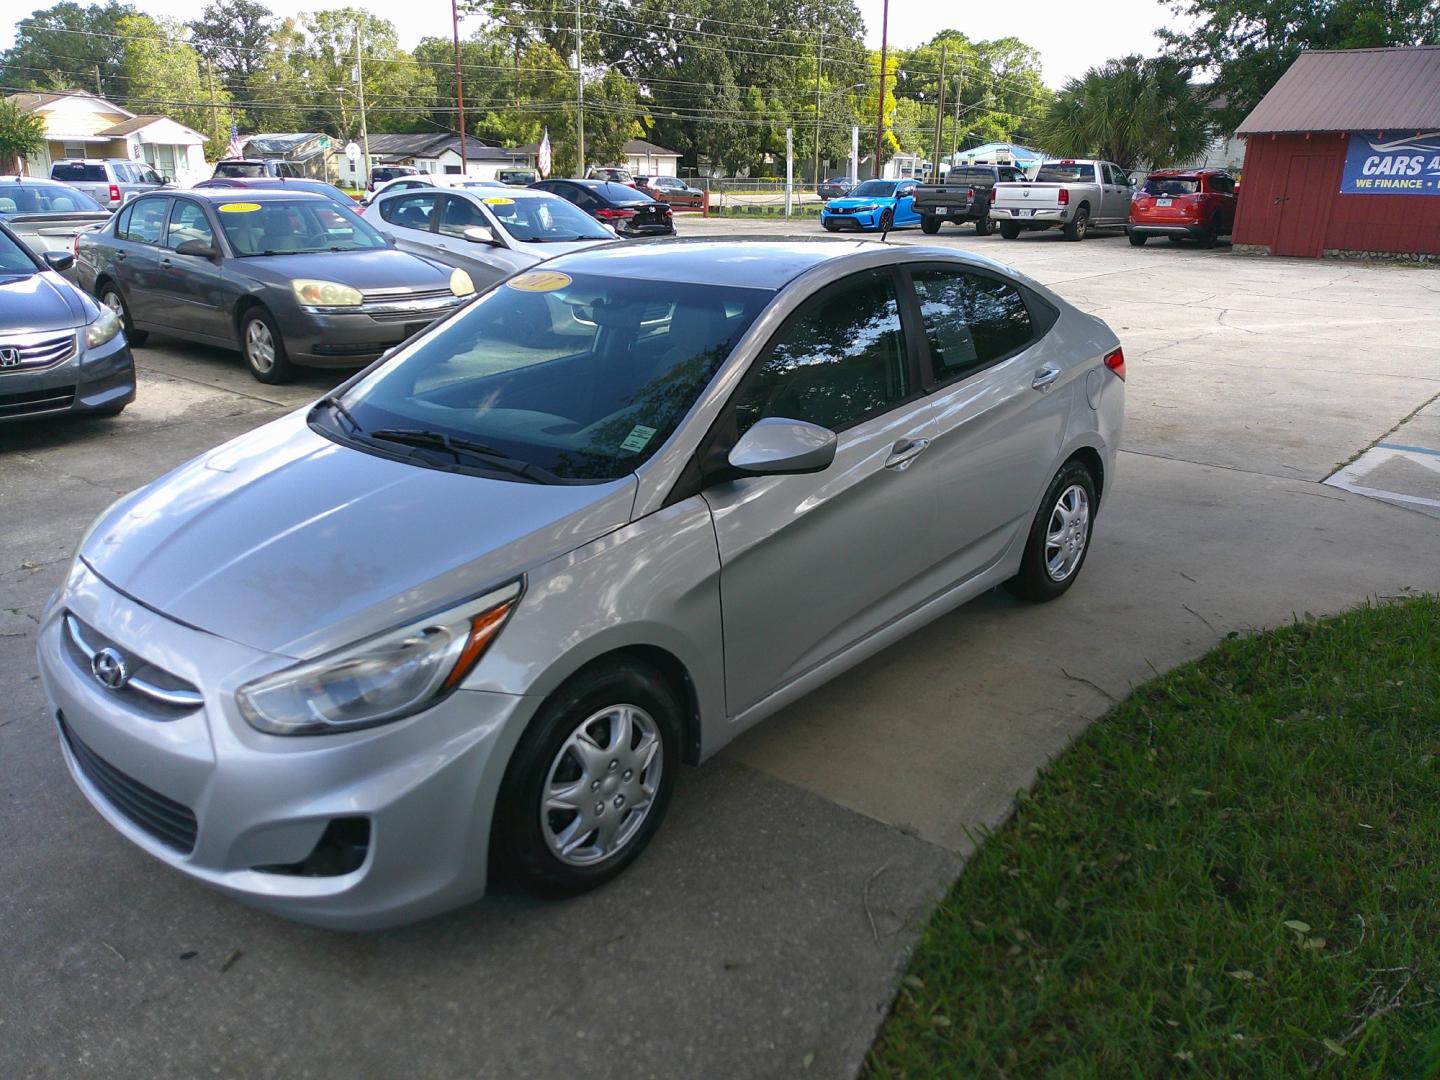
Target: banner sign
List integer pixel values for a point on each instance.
(1384, 163)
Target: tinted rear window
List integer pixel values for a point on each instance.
(1172, 185)
(239, 168)
(44, 199)
(621, 194)
(72, 173)
(1055, 172)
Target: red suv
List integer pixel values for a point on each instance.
(1198, 204)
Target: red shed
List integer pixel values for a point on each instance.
(1342, 157)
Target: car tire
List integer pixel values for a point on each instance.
(529, 832)
(1078, 226)
(984, 226)
(264, 348)
(1211, 234)
(929, 225)
(1176, 239)
(1138, 239)
(1058, 543)
(1009, 230)
(887, 221)
(111, 298)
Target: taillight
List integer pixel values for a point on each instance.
(1115, 361)
(972, 194)
(114, 192)
(607, 213)
(1063, 196)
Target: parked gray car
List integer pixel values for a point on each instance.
(476, 607)
(287, 277)
(60, 352)
(111, 182)
(47, 216)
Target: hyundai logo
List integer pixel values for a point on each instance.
(109, 669)
(9, 357)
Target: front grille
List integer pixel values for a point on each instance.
(390, 296)
(168, 821)
(34, 352)
(143, 683)
(37, 401)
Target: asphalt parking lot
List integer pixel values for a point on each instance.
(763, 932)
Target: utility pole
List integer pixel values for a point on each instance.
(940, 114)
(579, 99)
(880, 105)
(959, 89)
(360, 84)
(98, 91)
(210, 89)
(459, 87)
(789, 170)
(819, 65)
(855, 152)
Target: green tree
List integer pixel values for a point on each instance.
(162, 75)
(278, 87)
(1250, 43)
(398, 92)
(22, 135)
(1131, 111)
(231, 36)
(67, 47)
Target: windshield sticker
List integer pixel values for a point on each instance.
(639, 437)
(239, 207)
(498, 202)
(539, 281)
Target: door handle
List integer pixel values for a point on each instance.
(1045, 378)
(120, 255)
(904, 452)
(164, 262)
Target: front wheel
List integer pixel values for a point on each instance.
(264, 349)
(929, 225)
(590, 781)
(1009, 230)
(887, 221)
(1059, 536)
(111, 298)
(1078, 226)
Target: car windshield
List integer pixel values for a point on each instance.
(239, 168)
(553, 377)
(45, 199)
(1069, 172)
(545, 220)
(1172, 185)
(882, 189)
(294, 227)
(14, 259)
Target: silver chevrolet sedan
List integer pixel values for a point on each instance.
(469, 614)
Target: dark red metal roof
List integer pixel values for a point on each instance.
(1353, 90)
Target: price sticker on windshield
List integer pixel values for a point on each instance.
(497, 201)
(238, 207)
(539, 281)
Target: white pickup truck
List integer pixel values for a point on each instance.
(1074, 195)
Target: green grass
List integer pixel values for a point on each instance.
(1235, 873)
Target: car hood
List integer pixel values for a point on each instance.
(287, 542)
(42, 301)
(549, 251)
(383, 268)
(862, 200)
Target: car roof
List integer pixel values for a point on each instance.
(38, 181)
(251, 194)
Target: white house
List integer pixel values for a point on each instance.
(79, 124)
(436, 153)
(646, 159)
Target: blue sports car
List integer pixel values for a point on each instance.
(875, 204)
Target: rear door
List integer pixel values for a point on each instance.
(812, 563)
(138, 257)
(409, 218)
(1000, 406)
(193, 285)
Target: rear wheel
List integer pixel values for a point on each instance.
(1009, 230)
(983, 225)
(264, 349)
(929, 225)
(1138, 239)
(1059, 536)
(1078, 226)
(111, 298)
(1211, 233)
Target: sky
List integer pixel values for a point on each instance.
(1068, 40)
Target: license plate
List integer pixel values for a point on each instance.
(944, 209)
(1162, 202)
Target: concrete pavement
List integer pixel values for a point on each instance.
(763, 933)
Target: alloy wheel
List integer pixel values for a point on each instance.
(1067, 533)
(259, 345)
(601, 785)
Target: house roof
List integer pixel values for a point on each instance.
(639, 148)
(424, 144)
(31, 100)
(134, 124)
(1353, 90)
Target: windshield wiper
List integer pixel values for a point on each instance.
(460, 446)
(334, 403)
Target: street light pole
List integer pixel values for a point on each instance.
(459, 86)
(819, 66)
(940, 114)
(880, 105)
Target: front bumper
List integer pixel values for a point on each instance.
(88, 381)
(333, 339)
(870, 219)
(426, 785)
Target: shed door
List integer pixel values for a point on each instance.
(1304, 205)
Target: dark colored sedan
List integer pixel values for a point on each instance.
(837, 187)
(672, 190)
(286, 183)
(47, 215)
(629, 212)
(60, 352)
(285, 277)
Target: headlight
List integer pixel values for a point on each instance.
(866, 208)
(460, 283)
(102, 328)
(325, 293)
(379, 680)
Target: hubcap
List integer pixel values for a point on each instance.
(1068, 532)
(112, 301)
(259, 345)
(601, 785)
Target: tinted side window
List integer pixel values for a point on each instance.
(122, 219)
(837, 359)
(1222, 185)
(971, 321)
(188, 222)
(457, 215)
(147, 218)
(410, 211)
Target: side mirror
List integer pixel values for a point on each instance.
(167, 179)
(59, 261)
(201, 249)
(478, 234)
(777, 447)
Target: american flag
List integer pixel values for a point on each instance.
(235, 147)
(542, 159)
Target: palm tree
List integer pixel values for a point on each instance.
(1131, 111)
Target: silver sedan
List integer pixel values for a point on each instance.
(475, 608)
